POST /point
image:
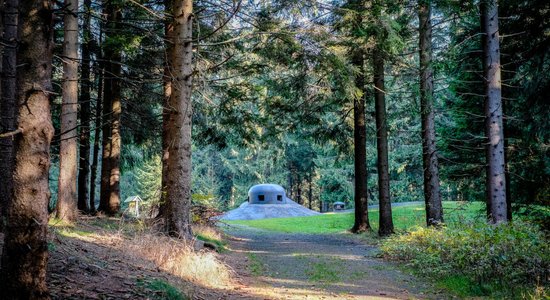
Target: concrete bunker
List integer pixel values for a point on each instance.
(338, 205)
(267, 194)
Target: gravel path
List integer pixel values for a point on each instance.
(308, 266)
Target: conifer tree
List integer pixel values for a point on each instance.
(25, 252)
(178, 179)
(432, 197)
(68, 159)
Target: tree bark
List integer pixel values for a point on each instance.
(25, 252)
(361, 223)
(85, 99)
(432, 194)
(299, 191)
(178, 186)
(496, 178)
(110, 168)
(386, 222)
(68, 158)
(310, 190)
(167, 87)
(97, 133)
(8, 120)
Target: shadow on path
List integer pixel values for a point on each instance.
(312, 266)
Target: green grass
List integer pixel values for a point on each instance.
(220, 245)
(161, 289)
(404, 217)
(256, 267)
(323, 272)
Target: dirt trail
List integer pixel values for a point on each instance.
(310, 266)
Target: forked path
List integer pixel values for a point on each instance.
(275, 265)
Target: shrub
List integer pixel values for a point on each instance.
(507, 254)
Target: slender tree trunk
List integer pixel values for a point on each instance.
(68, 158)
(105, 144)
(310, 190)
(178, 185)
(97, 133)
(25, 252)
(496, 178)
(167, 86)
(299, 191)
(361, 223)
(386, 222)
(8, 101)
(432, 194)
(110, 168)
(85, 99)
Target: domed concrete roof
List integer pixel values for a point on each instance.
(266, 187)
(267, 193)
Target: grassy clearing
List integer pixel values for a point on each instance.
(404, 218)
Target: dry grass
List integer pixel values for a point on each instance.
(208, 232)
(140, 242)
(180, 259)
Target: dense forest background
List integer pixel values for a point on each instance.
(273, 97)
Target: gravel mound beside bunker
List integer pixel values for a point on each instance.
(264, 211)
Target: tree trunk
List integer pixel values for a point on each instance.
(110, 168)
(361, 223)
(25, 253)
(178, 185)
(386, 222)
(85, 99)
(299, 191)
(8, 101)
(496, 181)
(432, 194)
(68, 163)
(310, 190)
(97, 133)
(167, 86)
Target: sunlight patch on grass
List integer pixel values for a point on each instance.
(404, 218)
(210, 235)
(73, 233)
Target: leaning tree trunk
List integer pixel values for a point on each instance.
(85, 99)
(432, 195)
(386, 222)
(110, 167)
(7, 101)
(178, 185)
(68, 159)
(361, 223)
(496, 178)
(25, 253)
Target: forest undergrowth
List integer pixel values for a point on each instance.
(111, 258)
(476, 259)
